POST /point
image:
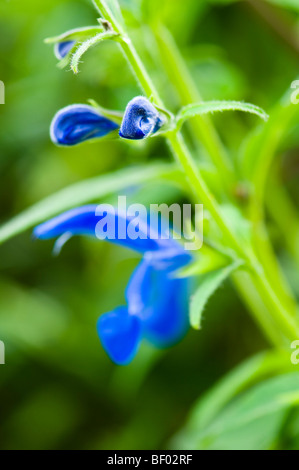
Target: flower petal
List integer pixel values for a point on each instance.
(77, 123)
(141, 119)
(168, 322)
(61, 49)
(120, 335)
(160, 302)
(101, 221)
(169, 257)
(79, 221)
(138, 290)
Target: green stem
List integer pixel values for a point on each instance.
(130, 53)
(266, 146)
(182, 154)
(274, 272)
(285, 321)
(199, 186)
(285, 214)
(249, 294)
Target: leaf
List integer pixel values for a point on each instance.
(77, 34)
(209, 258)
(88, 44)
(111, 6)
(198, 109)
(239, 225)
(84, 192)
(115, 9)
(209, 283)
(245, 375)
(290, 4)
(253, 420)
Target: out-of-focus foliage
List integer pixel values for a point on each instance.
(58, 389)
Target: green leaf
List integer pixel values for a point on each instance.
(198, 109)
(77, 34)
(239, 225)
(208, 284)
(290, 4)
(241, 378)
(253, 420)
(109, 5)
(209, 258)
(115, 9)
(85, 192)
(88, 44)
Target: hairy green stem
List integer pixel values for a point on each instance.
(130, 53)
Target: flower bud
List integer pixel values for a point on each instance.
(61, 49)
(77, 123)
(141, 119)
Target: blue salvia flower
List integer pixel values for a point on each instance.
(156, 301)
(141, 119)
(61, 49)
(78, 123)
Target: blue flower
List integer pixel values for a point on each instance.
(156, 311)
(77, 123)
(156, 301)
(61, 49)
(141, 119)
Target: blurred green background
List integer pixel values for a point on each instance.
(58, 389)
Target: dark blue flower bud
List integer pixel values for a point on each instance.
(141, 119)
(61, 49)
(77, 123)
